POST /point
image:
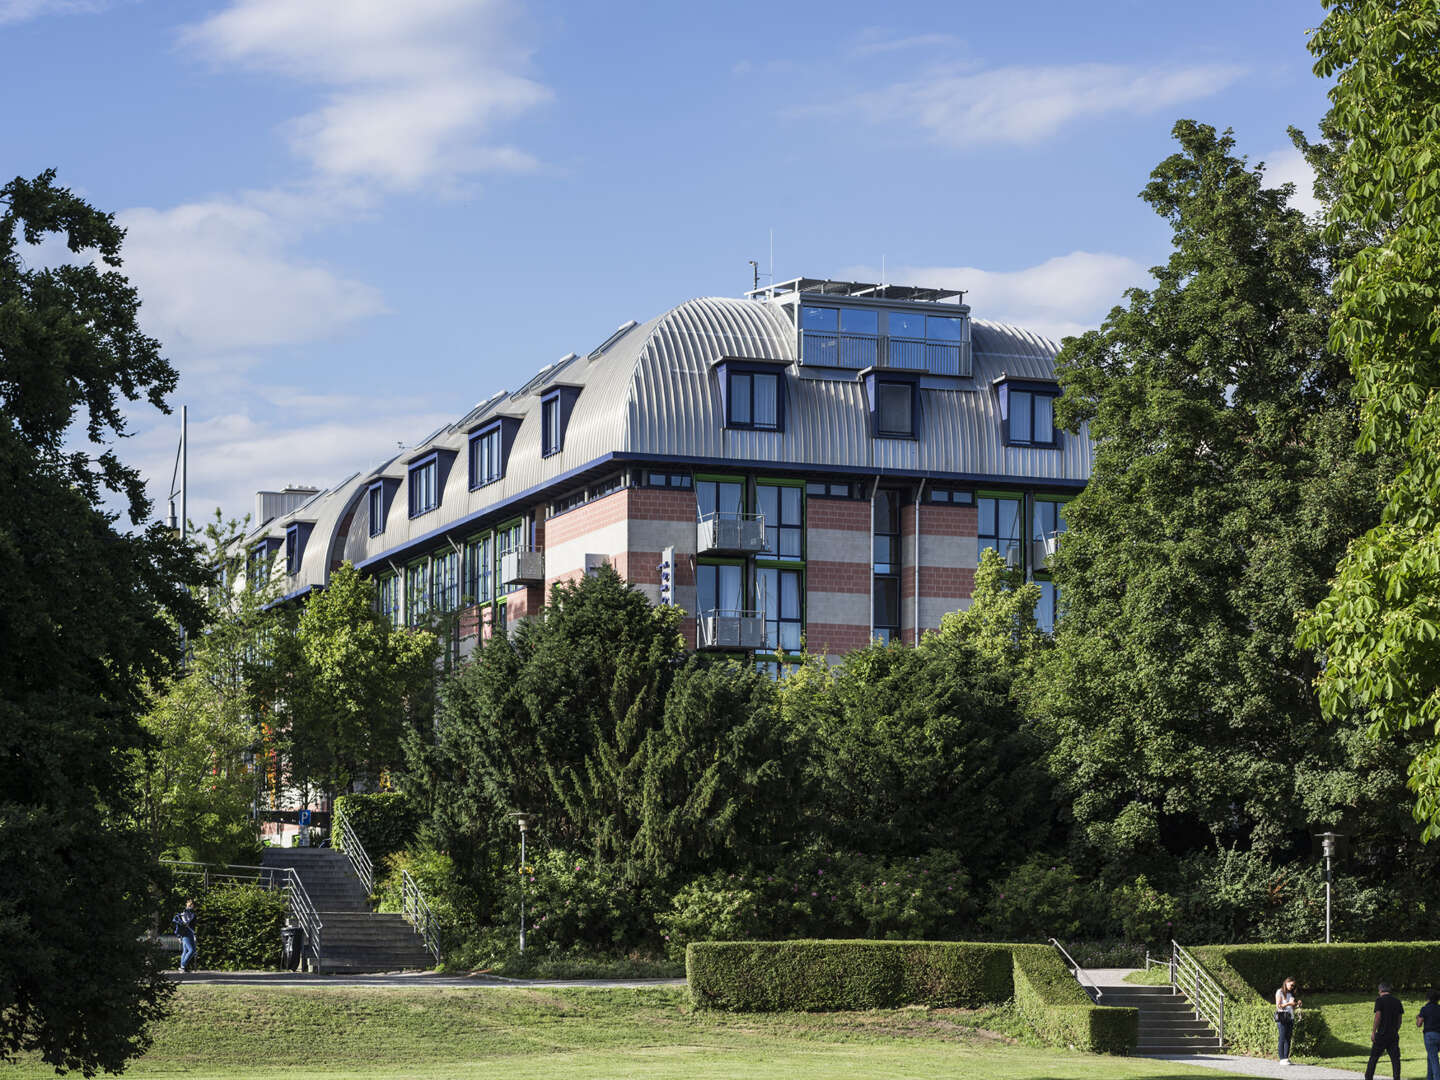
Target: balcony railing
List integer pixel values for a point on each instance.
(742, 534)
(720, 628)
(827, 348)
(1042, 549)
(522, 566)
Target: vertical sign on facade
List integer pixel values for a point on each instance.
(667, 577)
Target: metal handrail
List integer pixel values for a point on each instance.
(418, 914)
(1079, 973)
(728, 515)
(281, 879)
(303, 909)
(1206, 995)
(355, 852)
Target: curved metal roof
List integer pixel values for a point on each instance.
(651, 393)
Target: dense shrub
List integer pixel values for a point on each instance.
(751, 976)
(1348, 967)
(574, 900)
(824, 895)
(451, 901)
(384, 822)
(1042, 898)
(1144, 914)
(1048, 996)
(239, 925)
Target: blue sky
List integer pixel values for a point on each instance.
(350, 220)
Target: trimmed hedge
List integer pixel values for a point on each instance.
(814, 976)
(1061, 1012)
(384, 822)
(1249, 974)
(239, 926)
(755, 976)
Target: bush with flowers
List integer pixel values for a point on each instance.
(577, 901)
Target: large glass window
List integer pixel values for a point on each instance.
(719, 587)
(886, 523)
(445, 581)
(510, 538)
(424, 487)
(859, 321)
(777, 597)
(1032, 418)
(387, 598)
(417, 592)
(485, 464)
(719, 496)
(292, 550)
(783, 510)
(377, 509)
(479, 571)
(894, 409)
(1049, 520)
(1000, 527)
(1047, 608)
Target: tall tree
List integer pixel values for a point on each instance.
(1380, 625)
(84, 626)
(1223, 492)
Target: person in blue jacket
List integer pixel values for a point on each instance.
(185, 927)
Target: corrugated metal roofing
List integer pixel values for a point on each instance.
(651, 392)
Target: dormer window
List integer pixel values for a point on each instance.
(376, 499)
(261, 558)
(754, 400)
(490, 444)
(555, 409)
(895, 410)
(1027, 411)
(424, 485)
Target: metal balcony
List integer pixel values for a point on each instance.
(722, 629)
(730, 534)
(522, 566)
(1042, 549)
(827, 348)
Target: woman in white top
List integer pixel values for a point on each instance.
(1285, 1005)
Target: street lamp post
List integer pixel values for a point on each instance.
(1330, 848)
(523, 820)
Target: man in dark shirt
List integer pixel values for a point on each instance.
(1385, 1031)
(1429, 1023)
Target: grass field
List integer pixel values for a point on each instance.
(591, 1034)
(1348, 1016)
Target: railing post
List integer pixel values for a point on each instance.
(1222, 1020)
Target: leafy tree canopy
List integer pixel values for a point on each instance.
(84, 625)
(1380, 625)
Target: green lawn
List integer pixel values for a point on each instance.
(592, 1034)
(1348, 1016)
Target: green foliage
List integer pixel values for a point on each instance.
(385, 822)
(572, 900)
(451, 901)
(88, 621)
(1406, 965)
(1224, 489)
(1144, 913)
(348, 686)
(240, 928)
(918, 749)
(1042, 898)
(1049, 997)
(1379, 624)
(750, 976)
(823, 894)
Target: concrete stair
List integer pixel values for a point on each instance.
(1167, 1020)
(355, 938)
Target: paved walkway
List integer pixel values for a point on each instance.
(1249, 1066)
(411, 980)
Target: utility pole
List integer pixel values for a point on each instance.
(181, 474)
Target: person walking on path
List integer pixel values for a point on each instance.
(1285, 1005)
(185, 927)
(1428, 1021)
(1385, 1031)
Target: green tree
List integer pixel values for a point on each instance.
(1224, 489)
(347, 687)
(84, 625)
(197, 779)
(1380, 625)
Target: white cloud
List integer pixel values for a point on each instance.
(1288, 166)
(16, 11)
(1026, 104)
(876, 40)
(414, 89)
(1066, 295)
(219, 277)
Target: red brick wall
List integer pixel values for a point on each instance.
(587, 518)
(657, 504)
(849, 514)
(835, 637)
(837, 577)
